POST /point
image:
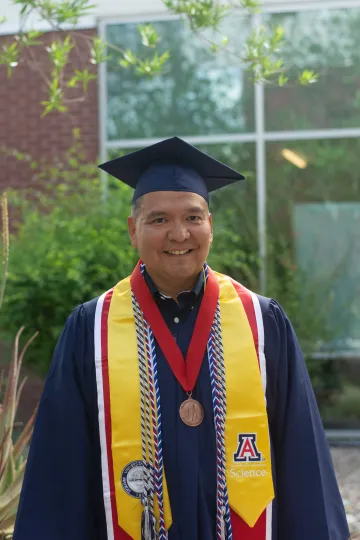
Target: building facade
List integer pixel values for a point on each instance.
(299, 146)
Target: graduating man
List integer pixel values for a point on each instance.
(178, 405)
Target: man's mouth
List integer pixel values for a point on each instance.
(178, 252)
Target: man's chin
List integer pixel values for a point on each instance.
(186, 262)
(180, 271)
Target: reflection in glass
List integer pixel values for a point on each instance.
(199, 93)
(327, 41)
(235, 248)
(314, 266)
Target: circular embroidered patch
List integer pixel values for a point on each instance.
(132, 479)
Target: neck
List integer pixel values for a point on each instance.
(172, 288)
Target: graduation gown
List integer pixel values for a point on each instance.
(62, 495)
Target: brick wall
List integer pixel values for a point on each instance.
(21, 125)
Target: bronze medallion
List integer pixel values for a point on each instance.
(191, 412)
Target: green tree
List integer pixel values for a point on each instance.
(260, 53)
(68, 246)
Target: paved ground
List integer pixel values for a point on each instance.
(347, 466)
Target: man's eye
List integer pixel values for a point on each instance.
(159, 220)
(194, 218)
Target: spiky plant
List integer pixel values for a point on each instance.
(12, 445)
(5, 244)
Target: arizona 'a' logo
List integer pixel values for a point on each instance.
(247, 449)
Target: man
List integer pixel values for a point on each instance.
(178, 404)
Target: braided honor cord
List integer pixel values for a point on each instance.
(153, 398)
(146, 445)
(156, 424)
(148, 522)
(217, 377)
(218, 390)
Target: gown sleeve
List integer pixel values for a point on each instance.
(309, 505)
(61, 497)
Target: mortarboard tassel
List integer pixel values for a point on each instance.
(223, 534)
(147, 525)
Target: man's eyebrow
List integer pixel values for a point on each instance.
(155, 214)
(162, 213)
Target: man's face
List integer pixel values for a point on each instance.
(172, 233)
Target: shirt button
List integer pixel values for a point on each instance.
(176, 320)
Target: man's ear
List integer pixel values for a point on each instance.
(211, 225)
(132, 231)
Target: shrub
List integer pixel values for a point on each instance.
(69, 246)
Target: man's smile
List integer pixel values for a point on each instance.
(178, 252)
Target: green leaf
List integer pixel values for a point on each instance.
(83, 77)
(308, 77)
(73, 163)
(29, 39)
(279, 33)
(64, 11)
(59, 51)
(73, 82)
(10, 56)
(98, 51)
(201, 14)
(130, 57)
(282, 80)
(149, 36)
(56, 98)
(24, 9)
(76, 132)
(252, 5)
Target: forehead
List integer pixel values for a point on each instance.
(172, 201)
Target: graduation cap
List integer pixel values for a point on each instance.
(171, 165)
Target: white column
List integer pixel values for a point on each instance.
(261, 176)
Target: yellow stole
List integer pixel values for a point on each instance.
(248, 458)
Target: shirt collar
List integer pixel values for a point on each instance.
(196, 290)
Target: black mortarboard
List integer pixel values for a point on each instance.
(171, 165)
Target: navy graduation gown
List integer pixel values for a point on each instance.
(62, 492)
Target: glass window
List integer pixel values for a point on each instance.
(199, 92)
(329, 42)
(313, 208)
(313, 186)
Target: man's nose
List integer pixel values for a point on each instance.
(179, 232)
